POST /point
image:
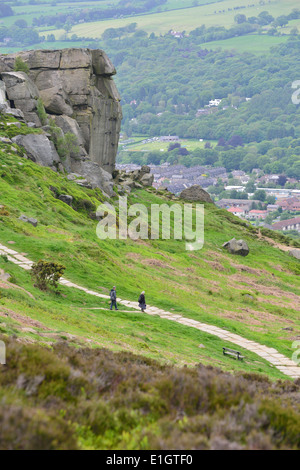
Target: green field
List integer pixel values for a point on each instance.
(138, 146)
(250, 43)
(28, 12)
(184, 19)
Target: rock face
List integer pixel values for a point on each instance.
(39, 149)
(23, 93)
(78, 93)
(195, 193)
(237, 247)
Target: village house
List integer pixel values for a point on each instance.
(236, 211)
(177, 34)
(290, 224)
(213, 103)
(291, 204)
(256, 214)
(245, 204)
(269, 179)
(238, 174)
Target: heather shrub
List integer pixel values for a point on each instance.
(97, 399)
(45, 274)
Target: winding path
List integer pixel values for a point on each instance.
(285, 365)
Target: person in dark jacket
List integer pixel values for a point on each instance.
(142, 301)
(113, 298)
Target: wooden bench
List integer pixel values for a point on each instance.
(231, 352)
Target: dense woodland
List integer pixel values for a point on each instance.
(164, 81)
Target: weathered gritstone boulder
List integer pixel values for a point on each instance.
(5, 106)
(77, 90)
(147, 179)
(195, 194)
(39, 149)
(237, 247)
(23, 93)
(96, 177)
(4, 276)
(134, 179)
(30, 220)
(295, 254)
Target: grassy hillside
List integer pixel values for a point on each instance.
(207, 285)
(63, 390)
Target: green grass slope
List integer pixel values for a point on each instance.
(81, 376)
(207, 285)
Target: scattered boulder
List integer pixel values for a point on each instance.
(5, 140)
(96, 177)
(30, 220)
(147, 179)
(237, 247)
(144, 170)
(195, 194)
(295, 253)
(39, 149)
(134, 179)
(4, 276)
(66, 198)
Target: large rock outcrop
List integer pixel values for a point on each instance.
(195, 194)
(78, 93)
(39, 149)
(237, 247)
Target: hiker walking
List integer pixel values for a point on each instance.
(113, 298)
(142, 301)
